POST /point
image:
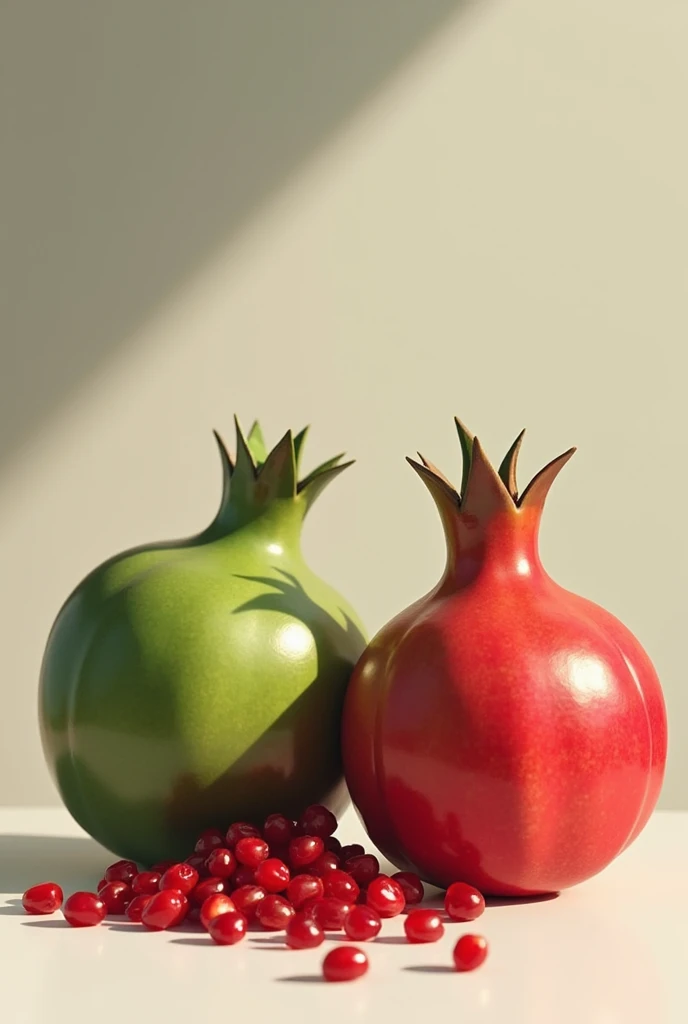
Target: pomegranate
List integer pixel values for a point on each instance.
(502, 730)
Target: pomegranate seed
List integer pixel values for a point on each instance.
(411, 885)
(247, 898)
(209, 840)
(243, 876)
(274, 912)
(145, 883)
(214, 906)
(344, 963)
(341, 885)
(470, 952)
(423, 926)
(304, 887)
(304, 933)
(199, 862)
(116, 896)
(101, 883)
(165, 910)
(181, 877)
(316, 820)
(273, 875)
(121, 871)
(240, 830)
(251, 851)
(362, 923)
(84, 909)
(352, 850)
(206, 888)
(228, 929)
(463, 903)
(329, 912)
(221, 863)
(324, 864)
(334, 846)
(386, 896)
(304, 850)
(44, 898)
(137, 906)
(162, 866)
(278, 830)
(363, 869)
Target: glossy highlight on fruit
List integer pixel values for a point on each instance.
(227, 929)
(304, 933)
(44, 898)
(423, 926)
(344, 963)
(362, 923)
(463, 902)
(213, 667)
(547, 718)
(470, 952)
(386, 896)
(84, 910)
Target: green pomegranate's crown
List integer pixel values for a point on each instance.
(483, 489)
(256, 477)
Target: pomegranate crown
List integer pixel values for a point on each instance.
(484, 488)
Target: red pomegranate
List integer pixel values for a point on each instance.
(502, 731)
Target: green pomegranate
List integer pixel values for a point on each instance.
(193, 683)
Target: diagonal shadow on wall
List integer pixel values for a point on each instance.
(140, 135)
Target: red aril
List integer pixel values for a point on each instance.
(303, 888)
(44, 898)
(240, 830)
(208, 841)
(101, 883)
(304, 933)
(228, 929)
(145, 883)
(411, 885)
(470, 952)
(386, 896)
(278, 830)
(316, 820)
(116, 896)
(334, 846)
(121, 871)
(246, 899)
(221, 863)
(363, 868)
(162, 866)
(341, 885)
(198, 861)
(548, 722)
(274, 912)
(207, 887)
(251, 851)
(423, 926)
(165, 910)
(182, 877)
(304, 850)
(84, 909)
(215, 905)
(362, 923)
(329, 912)
(344, 963)
(273, 875)
(463, 902)
(243, 875)
(135, 909)
(323, 864)
(352, 850)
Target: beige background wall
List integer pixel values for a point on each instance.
(369, 216)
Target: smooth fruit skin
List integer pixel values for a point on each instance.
(165, 910)
(227, 929)
(344, 963)
(304, 933)
(470, 952)
(423, 926)
(362, 923)
(386, 896)
(44, 898)
(84, 910)
(214, 906)
(547, 718)
(463, 902)
(214, 668)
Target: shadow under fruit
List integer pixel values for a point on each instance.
(188, 684)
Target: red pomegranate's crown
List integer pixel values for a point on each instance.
(483, 489)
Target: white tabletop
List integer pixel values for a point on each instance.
(611, 951)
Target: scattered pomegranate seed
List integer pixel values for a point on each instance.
(386, 896)
(44, 898)
(278, 830)
(214, 906)
(243, 876)
(463, 902)
(273, 874)
(101, 883)
(334, 846)
(423, 926)
(304, 850)
(240, 830)
(251, 851)
(165, 910)
(304, 887)
(362, 923)
(135, 909)
(199, 862)
(316, 820)
(470, 952)
(304, 933)
(344, 963)
(228, 929)
(121, 871)
(208, 841)
(363, 868)
(247, 898)
(330, 913)
(162, 866)
(116, 896)
(340, 884)
(352, 850)
(411, 885)
(324, 864)
(274, 912)
(221, 863)
(181, 877)
(84, 909)
(145, 883)
(206, 888)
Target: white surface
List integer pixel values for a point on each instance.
(612, 951)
